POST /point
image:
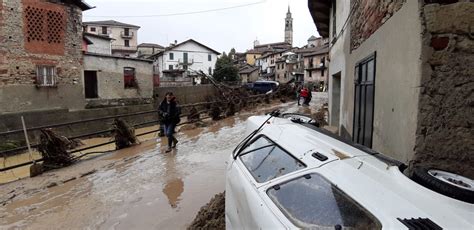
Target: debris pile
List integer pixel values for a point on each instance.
(211, 215)
(124, 134)
(53, 149)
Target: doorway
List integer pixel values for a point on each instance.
(364, 87)
(90, 84)
(335, 100)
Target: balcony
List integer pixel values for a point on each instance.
(124, 48)
(126, 35)
(188, 61)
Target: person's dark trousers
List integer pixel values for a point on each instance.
(169, 131)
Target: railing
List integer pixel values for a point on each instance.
(126, 35)
(182, 61)
(124, 48)
(202, 107)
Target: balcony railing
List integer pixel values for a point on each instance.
(188, 61)
(124, 48)
(126, 35)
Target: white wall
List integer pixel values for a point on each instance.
(337, 58)
(100, 46)
(197, 54)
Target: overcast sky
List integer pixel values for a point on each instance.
(221, 29)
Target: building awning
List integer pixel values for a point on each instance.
(320, 11)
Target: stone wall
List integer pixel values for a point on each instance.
(25, 45)
(49, 117)
(368, 16)
(445, 134)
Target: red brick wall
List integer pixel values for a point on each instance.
(44, 27)
(368, 16)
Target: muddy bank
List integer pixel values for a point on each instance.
(211, 215)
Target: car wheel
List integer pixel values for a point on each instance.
(446, 183)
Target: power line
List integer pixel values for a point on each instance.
(177, 14)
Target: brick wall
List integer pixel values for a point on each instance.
(40, 33)
(368, 16)
(446, 104)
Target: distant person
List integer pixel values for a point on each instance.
(304, 95)
(169, 112)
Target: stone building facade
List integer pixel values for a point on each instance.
(401, 78)
(40, 55)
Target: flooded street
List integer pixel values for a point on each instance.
(135, 188)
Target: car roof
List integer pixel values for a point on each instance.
(380, 187)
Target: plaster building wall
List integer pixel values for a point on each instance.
(251, 57)
(100, 45)
(197, 58)
(22, 50)
(249, 77)
(110, 76)
(117, 32)
(337, 64)
(313, 71)
(444, 135)
(397, 78)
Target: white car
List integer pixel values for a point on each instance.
(289, 174)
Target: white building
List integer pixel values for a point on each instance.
(124, 35)
(98, 44)
(183, 60)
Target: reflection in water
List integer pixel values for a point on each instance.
(173, 190)
(174, 185)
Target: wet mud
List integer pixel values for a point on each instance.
(140, 187)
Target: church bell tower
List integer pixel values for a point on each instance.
(289, 27)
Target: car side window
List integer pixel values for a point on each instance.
(265, 160)
(313, 202)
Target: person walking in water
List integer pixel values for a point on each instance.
(169, 112)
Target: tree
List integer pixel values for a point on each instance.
(225, 69)
(232, 53)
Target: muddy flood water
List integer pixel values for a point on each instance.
(141, 187)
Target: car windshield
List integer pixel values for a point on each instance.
(313, 202)
(266, 161)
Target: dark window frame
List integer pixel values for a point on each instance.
(171, 56)
(93, 29)
(104, 30)
(209, 57)
(170, 67)
(126, 43)
(360, 85)
(130, 81)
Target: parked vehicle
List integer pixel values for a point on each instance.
(289, 174)
(264, 86)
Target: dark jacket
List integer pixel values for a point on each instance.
(169, 112)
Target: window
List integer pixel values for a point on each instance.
(126, 31)
(129, 79)
(312, 202)
(170, 67)
(185, 57)
(45, 75)
(92, 29)
(104, 29)
(171, 56)
(210, 70)
(126, 43)
(364, 90)
(265, 160)
(310, 72)
(209, 58)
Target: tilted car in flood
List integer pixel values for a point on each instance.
(289, 174)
